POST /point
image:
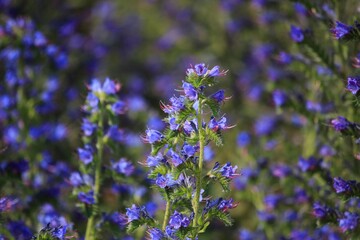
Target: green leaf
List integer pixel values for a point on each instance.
(214, 106)
(216, 137)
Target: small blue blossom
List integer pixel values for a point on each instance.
(190, 91)
(342, 186)
(76, 179)
(228, 171)
(340, 123)
(153, 136)
(296, 34)
(155, 234)
(88, 127)
(340, 30)
(188, 150)
(135, 213)
(87, 198)
(165, 180)
(175, 158)
(353, 85)
(350, 221)
(123, 166)
(217, 125)
(219, 96)
(119, 107)
(154, 161)
(85, 154)
(279, 98)
(243, 139)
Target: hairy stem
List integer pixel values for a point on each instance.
(90, 228)
(196, 202)
(167, 215)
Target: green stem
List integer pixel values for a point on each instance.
(167, 215)
(200, 166)
(90, 228)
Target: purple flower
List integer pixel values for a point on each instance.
(135, 213)
(243, 139)
(117, 219)
(214, 72)
(85, 154)
(190, 91)
(109, 86)
(319, 210)
(119, 107)
(280, 170)
(76, 179)
(350, 221)
(296, 34)
(123, 167)
(153, 136)
(175, 158)
(173, 125)
(342, 186)
(188, 150)
(115, 133)
(7, 203)
(265, 125)
(165, 180)
(87, 198)
(219, 96)
(272, 200)
(175, 220)
(228, 171)
(353, 85)
(92, 100)
(154, 161)
(200, 69)
(279, 98)
(340, 30)
(340, 124)
(155, 234)
(88, 127)
(217, 125)
(309, 165)
(225, 205)
(177, 104)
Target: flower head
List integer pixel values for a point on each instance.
(340, 30)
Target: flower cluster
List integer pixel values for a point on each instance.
(177, 158)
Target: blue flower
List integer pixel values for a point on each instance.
(155, 234)
(189, 150)
(340, 30)
(350, 221)
(219, 96)
(85, 154)
(88, 127)
(217, 125)
(310, 164)
(87, 198)
(153, 136)
(175, 158)
(353, 85)
(342, 186)
(296, 34)
(190, 91)
(243, 139)
(340, 124)
(119, 107)
(135, 213)
(175, 220)
(154, 161)
(123, 167)
(214, 72)
(76, 179)
(279, 98)
(165, 180)
(173, 125)
(228, 171)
